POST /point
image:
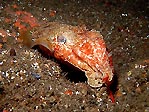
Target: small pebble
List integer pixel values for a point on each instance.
(52, 99)
(35, 75)
(1, 45)
(12, 52)
(68, 92)
(1, 78)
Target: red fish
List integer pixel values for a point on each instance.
(80, 47)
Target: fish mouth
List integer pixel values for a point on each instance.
(44, 42)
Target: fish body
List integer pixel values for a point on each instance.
(83, 48)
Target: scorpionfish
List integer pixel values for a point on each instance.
(83, 48)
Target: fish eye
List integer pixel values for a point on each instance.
(61, 39)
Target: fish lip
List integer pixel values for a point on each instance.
(45, 42)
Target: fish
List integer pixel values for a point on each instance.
(83, 48)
